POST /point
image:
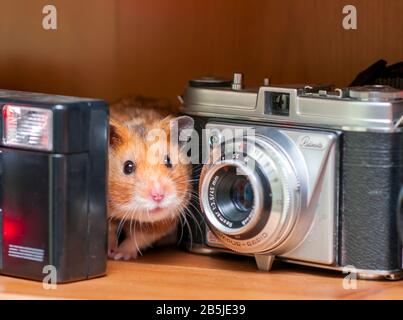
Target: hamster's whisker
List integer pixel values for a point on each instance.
(181, 236)
(121, 224)
(196, 209)
(149, 218)
(131, 232)
(184, 181)
(129, 215)
(148, 214)
(193, 198)
(190, 214)
(183, 215)
(194, 195)
(197, 170)
(135, 239)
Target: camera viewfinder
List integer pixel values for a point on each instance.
(277, 103)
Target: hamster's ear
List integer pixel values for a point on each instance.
(116, 133)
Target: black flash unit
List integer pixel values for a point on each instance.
(53, 165)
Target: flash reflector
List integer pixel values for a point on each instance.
(28, 127)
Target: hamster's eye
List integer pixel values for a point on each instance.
(129, 167)
(167, 161)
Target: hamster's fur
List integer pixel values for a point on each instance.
(146, 198)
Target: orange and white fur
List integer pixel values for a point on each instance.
(148, 192)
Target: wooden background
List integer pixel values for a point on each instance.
(111, 48)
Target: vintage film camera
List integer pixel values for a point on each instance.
(53, 165)
(324, 187)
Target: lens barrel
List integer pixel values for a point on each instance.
(250, 195)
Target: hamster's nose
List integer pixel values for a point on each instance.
(157, 192)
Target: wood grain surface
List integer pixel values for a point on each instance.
(111, 48)
(175, 274)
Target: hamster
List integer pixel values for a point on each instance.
(148, 191)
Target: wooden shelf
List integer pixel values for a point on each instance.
(175, 274)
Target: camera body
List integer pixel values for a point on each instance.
(306, 174)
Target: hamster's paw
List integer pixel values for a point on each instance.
(112, 250)
(112, 241)
(124, 252)
(112, 253)
(126, 256)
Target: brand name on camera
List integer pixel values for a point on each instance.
(310, 142)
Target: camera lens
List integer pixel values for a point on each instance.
(234, 197)
(234, 194)
(249, 194)
(241, 194)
